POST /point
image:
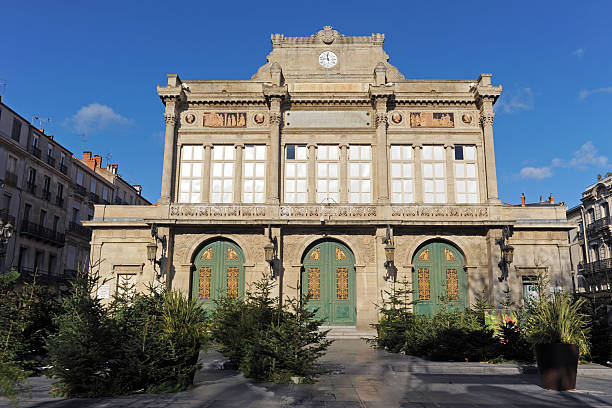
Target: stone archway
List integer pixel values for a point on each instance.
(328, 278)
(218, 272)
(439, 278)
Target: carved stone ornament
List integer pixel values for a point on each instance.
(275, 118)
(259, 118)
(170, 118)
(190, 118)
(381, 119)
(328, 35)
(396, 117)
(486, 118)
(466, 118)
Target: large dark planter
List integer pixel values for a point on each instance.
(557, 365)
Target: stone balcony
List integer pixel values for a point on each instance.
(332, 214)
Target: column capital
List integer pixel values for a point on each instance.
(417, 146)
(239, 145)
(311, 145)
(449, 146)
(275, 118)
(486, 118)
(170, 118)
(381, 119)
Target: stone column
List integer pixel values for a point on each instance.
(206, 174)
(170, 118)
(382, 177)
(486, 121)
(238, 174)
(312, 173)
(450, 174)
(343, 174)
(274, 160)
(418, 174)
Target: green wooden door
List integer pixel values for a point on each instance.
(219, 272)
(439, 279)
(329, 278)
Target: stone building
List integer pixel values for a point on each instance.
(332, 158)
(46, 193)
(591, 239)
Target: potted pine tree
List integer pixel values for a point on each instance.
(558, 330)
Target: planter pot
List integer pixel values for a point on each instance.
(557, 365)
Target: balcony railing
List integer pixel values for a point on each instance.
(46, 195)
(59, 201)
(50, 160)
(31, 187)
(6, 218)
(63, 168)
(35, 151)
(10, 179)
(79, 189)
(28, 274)
(42, 233)
(598, 225)
(93, 197)
(78, 229)
(603, 265)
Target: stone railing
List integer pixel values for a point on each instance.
(314, 212)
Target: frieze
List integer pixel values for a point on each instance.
(457, 212)
(322, 211)
(432, 119)
(217, 211)
(224, 119)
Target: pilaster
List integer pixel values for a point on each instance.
(238, 174)
(206, 174)
(418, 174)
(312, 173)
(343, 173)
(450, 174)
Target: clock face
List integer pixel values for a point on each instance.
(328, 59)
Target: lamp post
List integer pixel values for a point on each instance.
(6, 232)
(271, 252)
(389, 255)
(507, 252)
(152, 249)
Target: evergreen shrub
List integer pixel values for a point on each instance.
(140, 342)
(266, 340)
(449, 335)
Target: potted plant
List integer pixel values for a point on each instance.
(558, 330)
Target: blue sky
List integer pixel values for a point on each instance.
(92, 67)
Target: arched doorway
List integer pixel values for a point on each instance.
(219, 272)
(439, 278)
(328, 277)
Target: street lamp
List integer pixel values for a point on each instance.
(389, 255)
(152, 249)
(6, 232)
(507, 252)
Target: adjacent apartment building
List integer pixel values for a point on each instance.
(45, 194)
(333, 173)
(591, 239)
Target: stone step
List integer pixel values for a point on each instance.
(347, 332)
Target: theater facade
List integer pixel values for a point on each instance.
(337, 176)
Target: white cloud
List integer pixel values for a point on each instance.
(536, 173)
(94, 117)
(586, 156)
(579, 52)
(585, 93)
(521, 99)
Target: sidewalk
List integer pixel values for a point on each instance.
(358, 376)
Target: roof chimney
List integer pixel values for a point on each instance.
(50, 137)
(138, 188)
(551, 199)
(522, 199)
(89, 162)
(98, 160)
(113, 168)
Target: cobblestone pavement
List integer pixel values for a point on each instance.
(357, 376)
